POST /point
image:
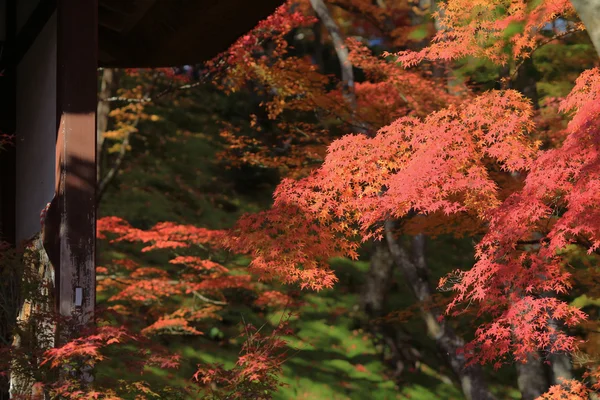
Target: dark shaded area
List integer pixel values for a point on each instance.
(32, 28)
(155, 33)
(8, 175)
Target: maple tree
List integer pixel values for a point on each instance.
(442, 165)
(425, 158)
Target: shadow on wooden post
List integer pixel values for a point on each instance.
(69, 234)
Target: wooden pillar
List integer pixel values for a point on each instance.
(75, 200)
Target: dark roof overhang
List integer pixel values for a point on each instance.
(161, 33)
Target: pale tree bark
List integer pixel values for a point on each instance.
(104, 180)
(108, 88)
(415, 271)
(589, 13)
(561, 364)
(347, 72)
(340, 48)
(531, 378)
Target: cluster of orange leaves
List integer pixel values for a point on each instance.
(571, 389)
(202, 279)
(478, 28)
(126, 117)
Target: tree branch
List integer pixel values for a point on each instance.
(103, 185)
(147, 99)
(340, 49)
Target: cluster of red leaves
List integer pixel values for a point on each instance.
(86, 347)
(154, 289)
(273, 29)
(259, 365)
(284, 82)
(294, 148)
(165, 235)
(287, 245)
(256, 373)
(261, 57)
(168, 74)
(199, 264)
(479, 28)
(558, 202)
(92, 347)
(273, 299)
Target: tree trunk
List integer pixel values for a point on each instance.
(561, 366)
(526, 82)
(374, 298)
(589, 13)
(378, 281)
(347, 73)
(531, 379)
(414, 268)
(108, 87)
(319, 46)
(341, 50)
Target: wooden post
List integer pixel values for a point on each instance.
(75, 199)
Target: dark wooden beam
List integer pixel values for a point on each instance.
(76, 156)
